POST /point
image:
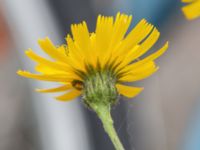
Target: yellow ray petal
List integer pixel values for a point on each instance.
(192, 10)
(93, 47)
(122, 22)
(144, 67)
(51, 71)
(120, 27)
(188, 1)
(82, 40)
(128, 91)
(51, 50)
(154, 55)
(47, 70)
(57, 89)
(148, 43)
(137, 34)
(63, 49)
(40, 60)
(128, 57)
(55, 78)
(145, 60)
(131, 77)
(76, 56)
(81, 36)
(104, 30)
(69, 95)
(73, 50)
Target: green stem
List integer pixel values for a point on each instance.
(103, 113)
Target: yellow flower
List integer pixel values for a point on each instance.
(109, 53)
(192, 10)
(96, 65)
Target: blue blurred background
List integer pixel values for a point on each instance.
(165, 116)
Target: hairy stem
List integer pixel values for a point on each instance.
(103, 113)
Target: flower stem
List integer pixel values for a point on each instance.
(103, 113)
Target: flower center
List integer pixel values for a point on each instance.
(99, 88)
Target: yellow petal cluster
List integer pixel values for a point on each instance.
(109, 44)
(192, 9)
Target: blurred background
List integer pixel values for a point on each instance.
(164, 117)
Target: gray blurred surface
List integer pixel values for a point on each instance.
(13, 93)
(179, 81)
(158, 117)
(57, 125)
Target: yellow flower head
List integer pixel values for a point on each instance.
(100, 62)
(192, 10)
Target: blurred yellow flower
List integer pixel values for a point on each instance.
(106, 51)
(192, 9)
